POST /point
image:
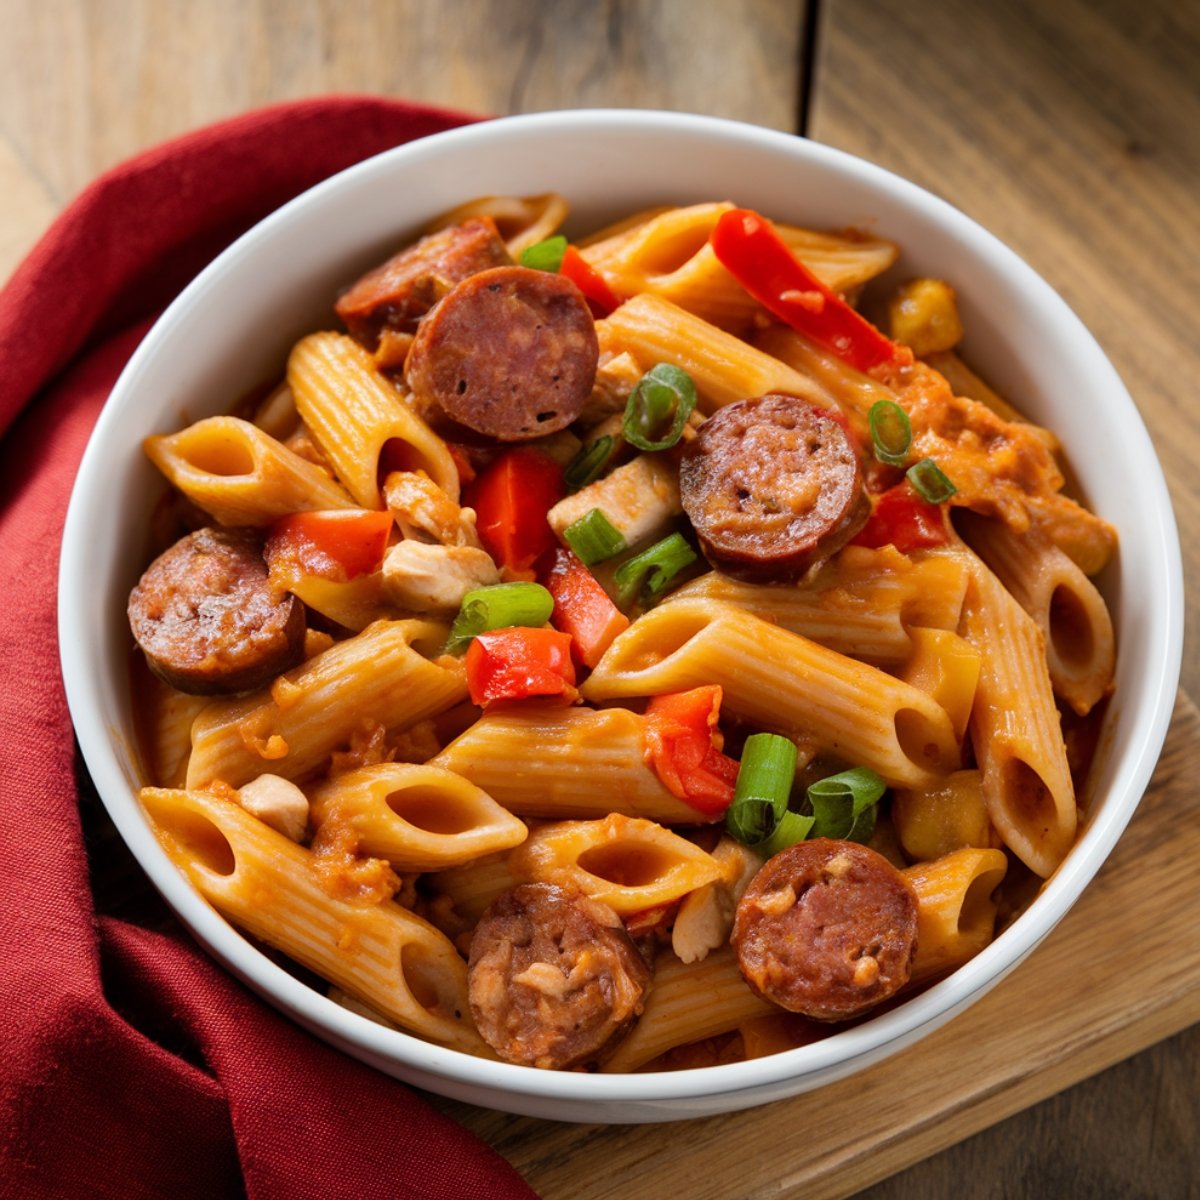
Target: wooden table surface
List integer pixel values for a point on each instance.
(1071, 129)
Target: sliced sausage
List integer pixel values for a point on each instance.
(772, 485)
(208, 618)
(827, 928)
(398, 293)
(553, 977)
(510, 353)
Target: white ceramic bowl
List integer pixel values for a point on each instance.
(231, 329)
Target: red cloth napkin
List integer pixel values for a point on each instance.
(130, 1064)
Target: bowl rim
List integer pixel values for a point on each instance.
(842, 1052)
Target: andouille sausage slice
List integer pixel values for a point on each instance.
(826, 928)
(510, 353)
(553, 978)
(208, 618)
(396, 294)
(772, 485)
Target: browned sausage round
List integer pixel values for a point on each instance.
(553, 976)
(772, 485)
(826, 928)
(208, 618)
(510, 353)
(398, 293)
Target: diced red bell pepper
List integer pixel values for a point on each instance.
(511, 499)
(337, 544)
(595, 288)
(902, 519)
(683, 745)
(747, 245)
(582, 608)
(519, 662)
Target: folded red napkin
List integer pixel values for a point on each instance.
(130, 1064)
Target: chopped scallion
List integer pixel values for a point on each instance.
(594, 537)
(651, 573)
(763, 788)
(891, 432)
(545, 256)
(498, 607)
(930, 481)
(792, 828)
(588, 463)
(845, 805)
(658, 407)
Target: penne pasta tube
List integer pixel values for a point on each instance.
(668, 254)
(956, 912)
(1015, 728)
(1064, 603)
(628, 863)
(418, 818)
(550, 761)
(240, 475)
(860, 605)
(688, 1002)
(781, 681)
(353, 413)
(291, 728)
(723, 367)
(382, 954)
(521, 221)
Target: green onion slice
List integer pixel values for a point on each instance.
(658, 408)
(545, 256)
(792, 828)
(930, 481)
(891, 432)
(845, 805)
(594, 537)
(763, 788)
(588, 463)
(652, 572)
(498, 607)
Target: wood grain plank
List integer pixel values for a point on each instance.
(86, 83)
(1000, 1056)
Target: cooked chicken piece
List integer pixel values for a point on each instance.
(276, 802)
(639, 498)
(428, 578)
(706, 915)
(423, 511)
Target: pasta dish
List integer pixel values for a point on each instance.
(640, 651)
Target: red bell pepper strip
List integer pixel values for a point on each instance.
(683, 745)
(519, 662)
(582, 608)
(337, 544)
(747, 245)
(511, 499)
(595, 288)
(902, 519)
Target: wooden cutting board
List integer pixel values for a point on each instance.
(1121, 972)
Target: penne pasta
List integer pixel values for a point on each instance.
(1063, 602)
(291, 728)
(354, 413)
(240, 475)
(381, 954)
(418, 818)
(956, 907)
(781, 681)
(1015, 730)
(573, 762)
(628, 863)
